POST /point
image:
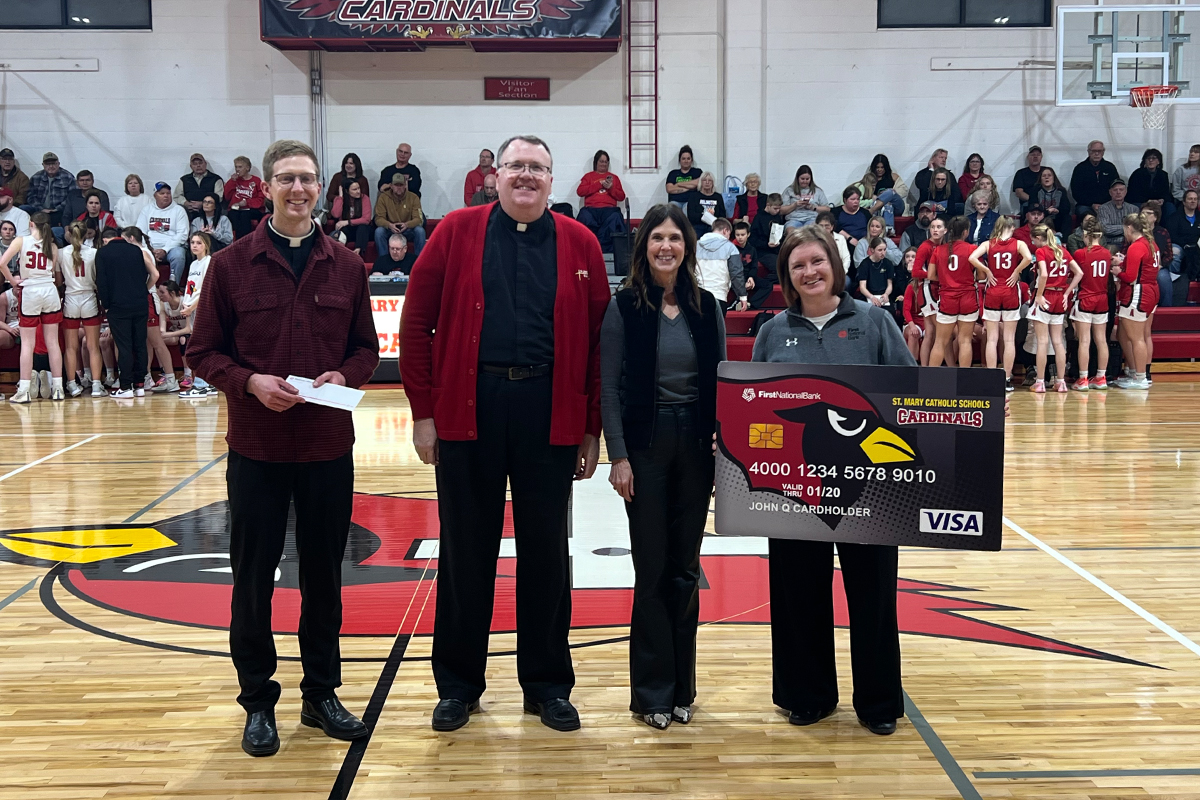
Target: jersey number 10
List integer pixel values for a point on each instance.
(1099, 269)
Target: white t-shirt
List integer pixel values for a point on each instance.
(18, 218)
(822, 320)
(128, 210)
(14, 313)
(195, 281)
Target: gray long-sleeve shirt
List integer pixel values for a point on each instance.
(1112, 218)
(671, 371)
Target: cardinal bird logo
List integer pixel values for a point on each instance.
(176, 572)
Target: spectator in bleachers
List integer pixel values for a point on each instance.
(352, 172)
(1112, 214)
(1184, 227)
(403, 164)
(875, 274)
(1150, 182)
(488, 194)
(746, 251)
(397, 258)
(803, 199)
(11, 176)
(1034, 215)
(351, 216)
(8, 232)
(10, 213)
(972, 172)
(48, 189)
(1051, 195)
(397, 211)
(474, 181)
(76, 205)
(10, 317)
(766, 235)
(825, 220)
(982, 218)
(213, 222)
(884, 191)
(1186, 176)
(719, 265)
(1092, 178)
(602, 195)
(684, 183)
(986, 184)
(876, 229)
(166, 225)
(1078, 238)
(942, 191)
(245, 196)
(850, 218)
(191, 188)
(921, 181)
(918, 231)
(94, 216)
(129, 206)
(705, 200)
(751, 201)
(1168, 279)
(1025, 182)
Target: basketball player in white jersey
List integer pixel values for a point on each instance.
(37, 301)
(81, 307)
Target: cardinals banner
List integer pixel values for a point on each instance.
(874, 455)
(513, 25)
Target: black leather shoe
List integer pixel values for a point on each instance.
(332, 717)
(451, 714)
(260, 737)
(556, 713)
(809, 716)
(881, 728)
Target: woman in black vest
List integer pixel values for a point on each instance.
(660, 345)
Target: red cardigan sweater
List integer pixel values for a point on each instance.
(443, 317)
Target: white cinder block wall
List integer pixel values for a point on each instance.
(752, 85)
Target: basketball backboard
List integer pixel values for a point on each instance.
(1104, 50)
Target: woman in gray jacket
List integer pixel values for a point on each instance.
(661, 342)
(824, 325)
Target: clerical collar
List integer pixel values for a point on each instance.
(291, 241)
(540, 225)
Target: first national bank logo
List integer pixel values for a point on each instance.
(960, 523)
(748, 394)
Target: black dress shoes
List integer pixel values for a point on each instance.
(881, 728)
(332, 717)
(809, 716)
(451, 714)
(260, 737)
(556, 713)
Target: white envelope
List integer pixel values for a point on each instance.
(329, 394)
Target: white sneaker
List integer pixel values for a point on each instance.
(56, 393)
(34, 382)
(111, 381)
(148, 380)
(1134, 383)
(167, 384)
(45, 385)
(87, 377)
(74, 389)
(122, 394)
(20, 397)
(194, 393)
(139, 391)
(98, 389)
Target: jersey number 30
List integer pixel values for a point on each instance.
(35, 260)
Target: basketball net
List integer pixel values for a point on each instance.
(1154, 114)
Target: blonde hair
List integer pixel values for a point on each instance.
(711, 177)
(1141, 225)
(76, 234)
(1003, 225)
(1093, 231)
(1046, 233)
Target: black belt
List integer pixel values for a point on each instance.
(517, 373)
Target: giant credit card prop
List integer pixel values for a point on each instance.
(875, 455)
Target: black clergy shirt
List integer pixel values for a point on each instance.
(520, 279)
(294, 251)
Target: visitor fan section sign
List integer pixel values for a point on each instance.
(866, 454)
(486, 25)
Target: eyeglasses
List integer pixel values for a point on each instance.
(307, 180)
(536, 170)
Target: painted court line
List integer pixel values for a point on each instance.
(1088, 773)
(1104, 587)
(32, 464)
(179, 486)
(953, 771)
(17, 594)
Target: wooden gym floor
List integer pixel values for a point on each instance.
(1065, 666)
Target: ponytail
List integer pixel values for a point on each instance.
(1047, 233)
(1003, 225)
(40, 222)
(1141, 225)
(77, 233)
(1093, 231)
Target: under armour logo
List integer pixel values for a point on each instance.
(748, 395)
(791, 342)
(580, 274)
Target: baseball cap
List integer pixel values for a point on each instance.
(158, 187)
(1117, 182)
(7, 153)
(1035, 149)
(399, 178)
(49, 158)
(929, 204)
(6, 192)
(1035, 207)
(196, 156)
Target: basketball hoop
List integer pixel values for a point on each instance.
(1154, 114)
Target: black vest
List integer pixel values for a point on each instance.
(195, 191)
(639, 384)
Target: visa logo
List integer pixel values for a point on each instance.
(963, 523)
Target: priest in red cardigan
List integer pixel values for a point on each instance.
(500, 359)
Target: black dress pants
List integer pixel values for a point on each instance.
(672, 484)
(802, 641)
(260, 495)
(242, 220)
(129, 335)
(513, 447)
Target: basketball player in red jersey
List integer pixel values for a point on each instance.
(1137, 298)
(1090, 312)
(38, 301)
(1058, 275)
(958, 305)
(1006, 258)
(928, 289)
